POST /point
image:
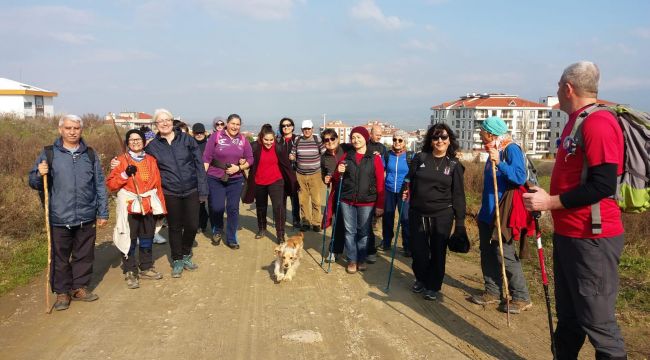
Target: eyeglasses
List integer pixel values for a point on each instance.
(439, 137)
(398, 140)
(287, 125)
(163, 121)
(135, 140)
(329, 139)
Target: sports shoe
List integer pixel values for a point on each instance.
(260, 234)
(351, 268)
(516, 306)
(371, 259)
(485, 298)
(150, 274)
(362, 267)
(159, 239)
(417, 287)
(62, 302)
(316, 228)
(216, 239)
(188, 264)
(83, 294)
(429, 294)
(177, 268)
(131, 280)
(304, 228)
(331, 258)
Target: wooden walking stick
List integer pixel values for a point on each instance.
(48, 308)
(506, 290)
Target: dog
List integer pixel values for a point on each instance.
(287, 257)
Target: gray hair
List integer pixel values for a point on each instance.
(584, 76)
(160, 112)
(401, 134)
(71, 117)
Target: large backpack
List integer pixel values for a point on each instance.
(531, 171)
(633, 187)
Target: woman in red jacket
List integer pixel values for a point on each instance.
(271, 175)
(139, 202)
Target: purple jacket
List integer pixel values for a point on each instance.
(227, 150)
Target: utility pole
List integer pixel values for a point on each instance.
(324, 120)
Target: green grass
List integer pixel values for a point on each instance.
(634, 290)
(22, 261)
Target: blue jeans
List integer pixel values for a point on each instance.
(225, 196)
(357, 226)
(391, 202)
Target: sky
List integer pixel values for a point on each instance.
(349, 60)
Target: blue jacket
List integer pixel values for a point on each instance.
(510, 173)
(78, 194)
(180, 164)
(396, 170)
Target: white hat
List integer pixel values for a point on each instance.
(307, 124)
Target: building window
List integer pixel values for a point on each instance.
(28, 104)
(494, 113)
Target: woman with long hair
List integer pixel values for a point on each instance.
(286, 139)
(270, 175)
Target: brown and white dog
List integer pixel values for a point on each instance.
(288, 256)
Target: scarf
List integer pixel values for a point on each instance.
(500, 142)
(137, 156)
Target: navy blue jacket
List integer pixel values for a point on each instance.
(78, 194)
(180, 163)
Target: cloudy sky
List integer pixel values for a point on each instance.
(354, 60)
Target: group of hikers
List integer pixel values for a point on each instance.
(174, 175)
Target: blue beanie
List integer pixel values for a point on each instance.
(494, 125)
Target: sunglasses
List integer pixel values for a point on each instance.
(439, 137)
(287, 125)
(329, 139)
(398, 140)
(220, 124)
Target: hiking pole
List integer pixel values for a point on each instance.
(126, 157)
(394, 250)
(506, 290)
(46, 199)
(334, 222)
(327, 203)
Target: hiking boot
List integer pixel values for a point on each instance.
(260, 234)
(417, 287)
(62, 302)
(131, 280)
(159, 239)
(351, 268)
(316, 228)
(83, 294)
(430, 294)
(188, 264)
(215, 239)
(485, 298)
(371, 259)
(362, 267)
(331, 258)
(150, 274)
(177, 268)
(516, 306)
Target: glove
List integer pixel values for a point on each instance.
(459, 242)
(131, 170)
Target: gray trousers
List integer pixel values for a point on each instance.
(586, 285)
(491, 265)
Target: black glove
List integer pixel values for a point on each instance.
(131, 170)
(459, 242)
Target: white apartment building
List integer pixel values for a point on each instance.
(130, 119)
(25, 101)
(529, 122)
(341, 129)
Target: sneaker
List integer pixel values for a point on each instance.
(216, 239)
(131, 280)
(362, 267)
(331, 258)
(83, 294)
(516, 306)
(429, 295)
(417, 287)
(316, 228)
(188, 264)
(304, 228)
(62, 302)
(177, 268)
(260, 234)
(351, 268)
(485, 298)
(150, 274)
(159, 239)
(233, 246)
(371, 259)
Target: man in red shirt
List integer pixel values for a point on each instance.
(585, 257)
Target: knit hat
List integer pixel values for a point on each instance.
(216, 120)
(198, 128)
(134, 131)
(495, 125)
(361, 131)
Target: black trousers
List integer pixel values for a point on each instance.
(182, 222)
(142, 227)
(586, 285)
(73, 253)
(276, 192)
(203, 216)
(428, 243)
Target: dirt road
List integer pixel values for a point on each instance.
(231, 309)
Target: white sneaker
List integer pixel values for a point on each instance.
(159, 239)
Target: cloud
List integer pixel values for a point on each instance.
(369, 11)
(257, 9)
(59, 23)
(415, 44)
(643, 33)
(71, 38)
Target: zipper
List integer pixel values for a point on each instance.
(396, 171)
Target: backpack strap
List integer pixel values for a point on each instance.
(91, 156)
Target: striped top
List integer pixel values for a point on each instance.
(307, 152)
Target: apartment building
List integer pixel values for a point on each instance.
(25, 101)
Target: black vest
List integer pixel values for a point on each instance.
(359, 183)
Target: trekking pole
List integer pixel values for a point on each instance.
(334, 222)
(394, 250)
(327, 203)
(48, 308)
(506, 290)
(540, 254)
(126, 158)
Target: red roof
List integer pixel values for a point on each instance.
(500, 102)
(144, 116)
(599, 101)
